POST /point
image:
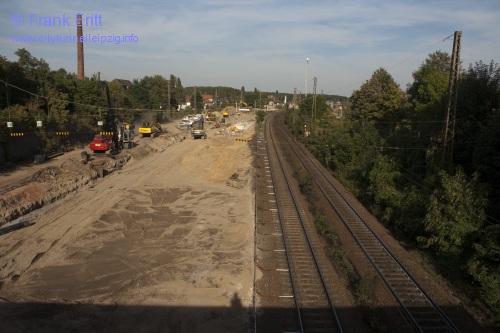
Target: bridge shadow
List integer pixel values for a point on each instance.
(86, 317)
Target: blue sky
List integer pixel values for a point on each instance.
(259, 44)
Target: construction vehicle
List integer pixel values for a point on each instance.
(150, 129)
(198, 131)
(125, 135)
(243, 107)
(128, 126)
(211, 116)
(199, 134)
(216, 123)
(121, 137)
(225, 111)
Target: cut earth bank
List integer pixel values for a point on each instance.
(162, 244)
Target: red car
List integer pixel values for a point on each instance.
(102, 143)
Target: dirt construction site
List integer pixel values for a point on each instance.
(159, 238)
(162, 237)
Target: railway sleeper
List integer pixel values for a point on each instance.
(412, 301)
(319, 326)
(394, 275)
(405, 285)
(433, 325)
(429, 316)
(318, 301)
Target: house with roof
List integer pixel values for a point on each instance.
(208, 100)
(186, 103)
(126, 84)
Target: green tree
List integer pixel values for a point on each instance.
(353, 151)
(484, 267)
(308, 116)
(486, 160)
(12, 74)
(118, 96)
(455, 213)
(421, 126)
(34, 69)
(151, 92)
(428, 94)
(377, 99)
(430, 82)
(197, 100)
(138, 95)
(20, 116)
(91, 105)
(479, 97)
(384, 178)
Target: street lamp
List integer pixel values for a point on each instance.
(307, 69)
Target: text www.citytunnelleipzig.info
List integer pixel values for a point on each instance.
(87, 38)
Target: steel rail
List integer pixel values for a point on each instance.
(379, 255)
(280, 175)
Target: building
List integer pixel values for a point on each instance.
(126, 84)
(208, 100)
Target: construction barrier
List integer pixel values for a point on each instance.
(16, 134)
(62, 133)
(244, 140)
(106, 133)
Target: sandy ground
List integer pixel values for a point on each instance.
(164, 244)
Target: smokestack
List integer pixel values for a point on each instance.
(79, 34)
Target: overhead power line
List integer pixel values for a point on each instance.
(72, 102)
(398, 63)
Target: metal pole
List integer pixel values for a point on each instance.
(307, 70)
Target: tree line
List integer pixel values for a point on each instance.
(388, 150)
(31, 92)
(30, 89)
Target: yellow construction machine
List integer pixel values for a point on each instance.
(243, 107)
(150, 129)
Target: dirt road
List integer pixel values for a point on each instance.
(161, 245)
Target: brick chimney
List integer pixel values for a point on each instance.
(79, 34)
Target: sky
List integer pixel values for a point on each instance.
(262, 44)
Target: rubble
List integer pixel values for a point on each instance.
(54, 183)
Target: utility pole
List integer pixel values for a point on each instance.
(168, 97)
(307, 70)
(194, 97)
(216, 100)
(313, 111)
(79, 45)
(449, 131)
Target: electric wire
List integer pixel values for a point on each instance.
(396, 64)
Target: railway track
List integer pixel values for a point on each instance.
(419, 310)
(308, 289)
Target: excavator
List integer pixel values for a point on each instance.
(150, 129)
(125, 133)
(198, 131)
(225, 111)
(243, 107)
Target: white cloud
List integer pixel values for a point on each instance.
(262, 43)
